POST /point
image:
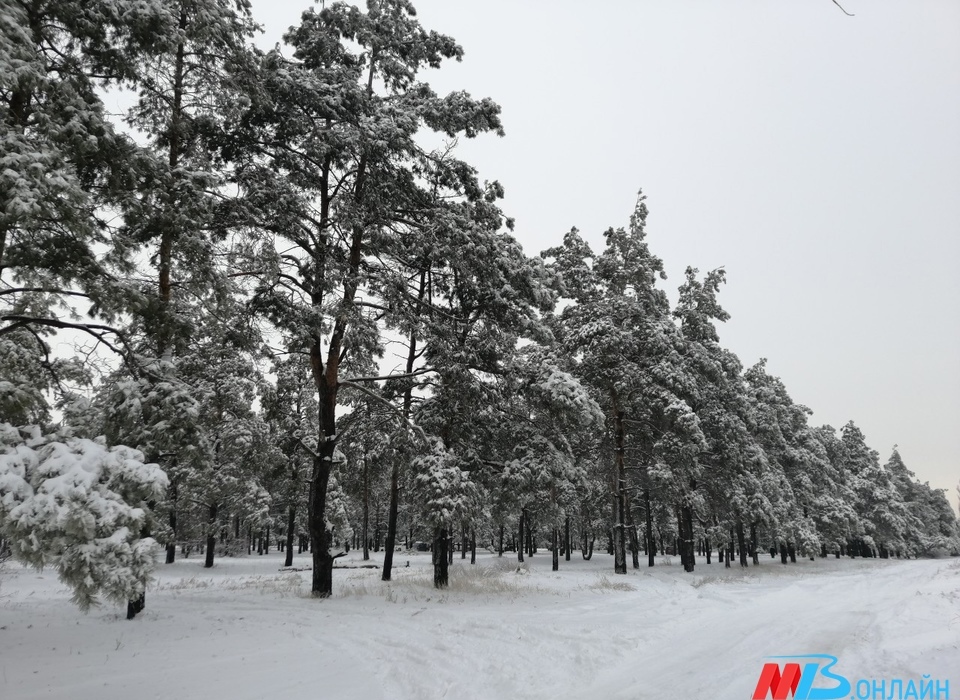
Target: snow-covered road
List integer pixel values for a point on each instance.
(246, 631)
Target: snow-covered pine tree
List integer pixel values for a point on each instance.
(372, 438)
(732, 496)
(930, 522)
(547, 415)
(627, 347)
(883, 515)
(79, 506)
(66, 170)
(774, 418)
(63, 164)
(225, 481)
(485, 296)
(343, 189)
(186, 96)
(289, 407)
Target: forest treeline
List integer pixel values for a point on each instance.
(269, 300)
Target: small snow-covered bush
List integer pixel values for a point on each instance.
(605, 584)
(80, 506)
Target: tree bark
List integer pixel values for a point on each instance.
(135, 607)
(686, 537)
(566, 538)
(395, 468)
(651, 545)
(171, 548)
(741, 543)
(586, 547)
(634, 539)
(556, 548)
(322, 579)
(393, 516)
(441, 571)
(291, 527)
(620, 484)
(211, 536)
(523, 512)
(366, 509)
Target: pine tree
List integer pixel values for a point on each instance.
(290, 410)
(732, 495)
(78, 506)
(333, 168)
(64, 171)
(879, 505)
(628, 350)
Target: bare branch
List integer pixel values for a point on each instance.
(848, 14)
(306, 448)
(47, 364)
(413, 426)
(48, 290)
(406, 375)
(97, 330)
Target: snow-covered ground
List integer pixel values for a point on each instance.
(245, 630)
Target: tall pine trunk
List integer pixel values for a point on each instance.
(165, 251)
(741, 543)
(395, 468)
(393, 516)
(291, 527)
(634, 540)
(172, 544)
(556, 548)
(620, 485)
(441, 570)
(651, 545)
(211, 536)
(523, 513)
(322, 582)
(686, 537)
(366, 509)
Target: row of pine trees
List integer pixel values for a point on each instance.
(268, 299)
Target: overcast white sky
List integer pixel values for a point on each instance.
(813, 155)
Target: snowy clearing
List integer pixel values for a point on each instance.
(245, 630)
